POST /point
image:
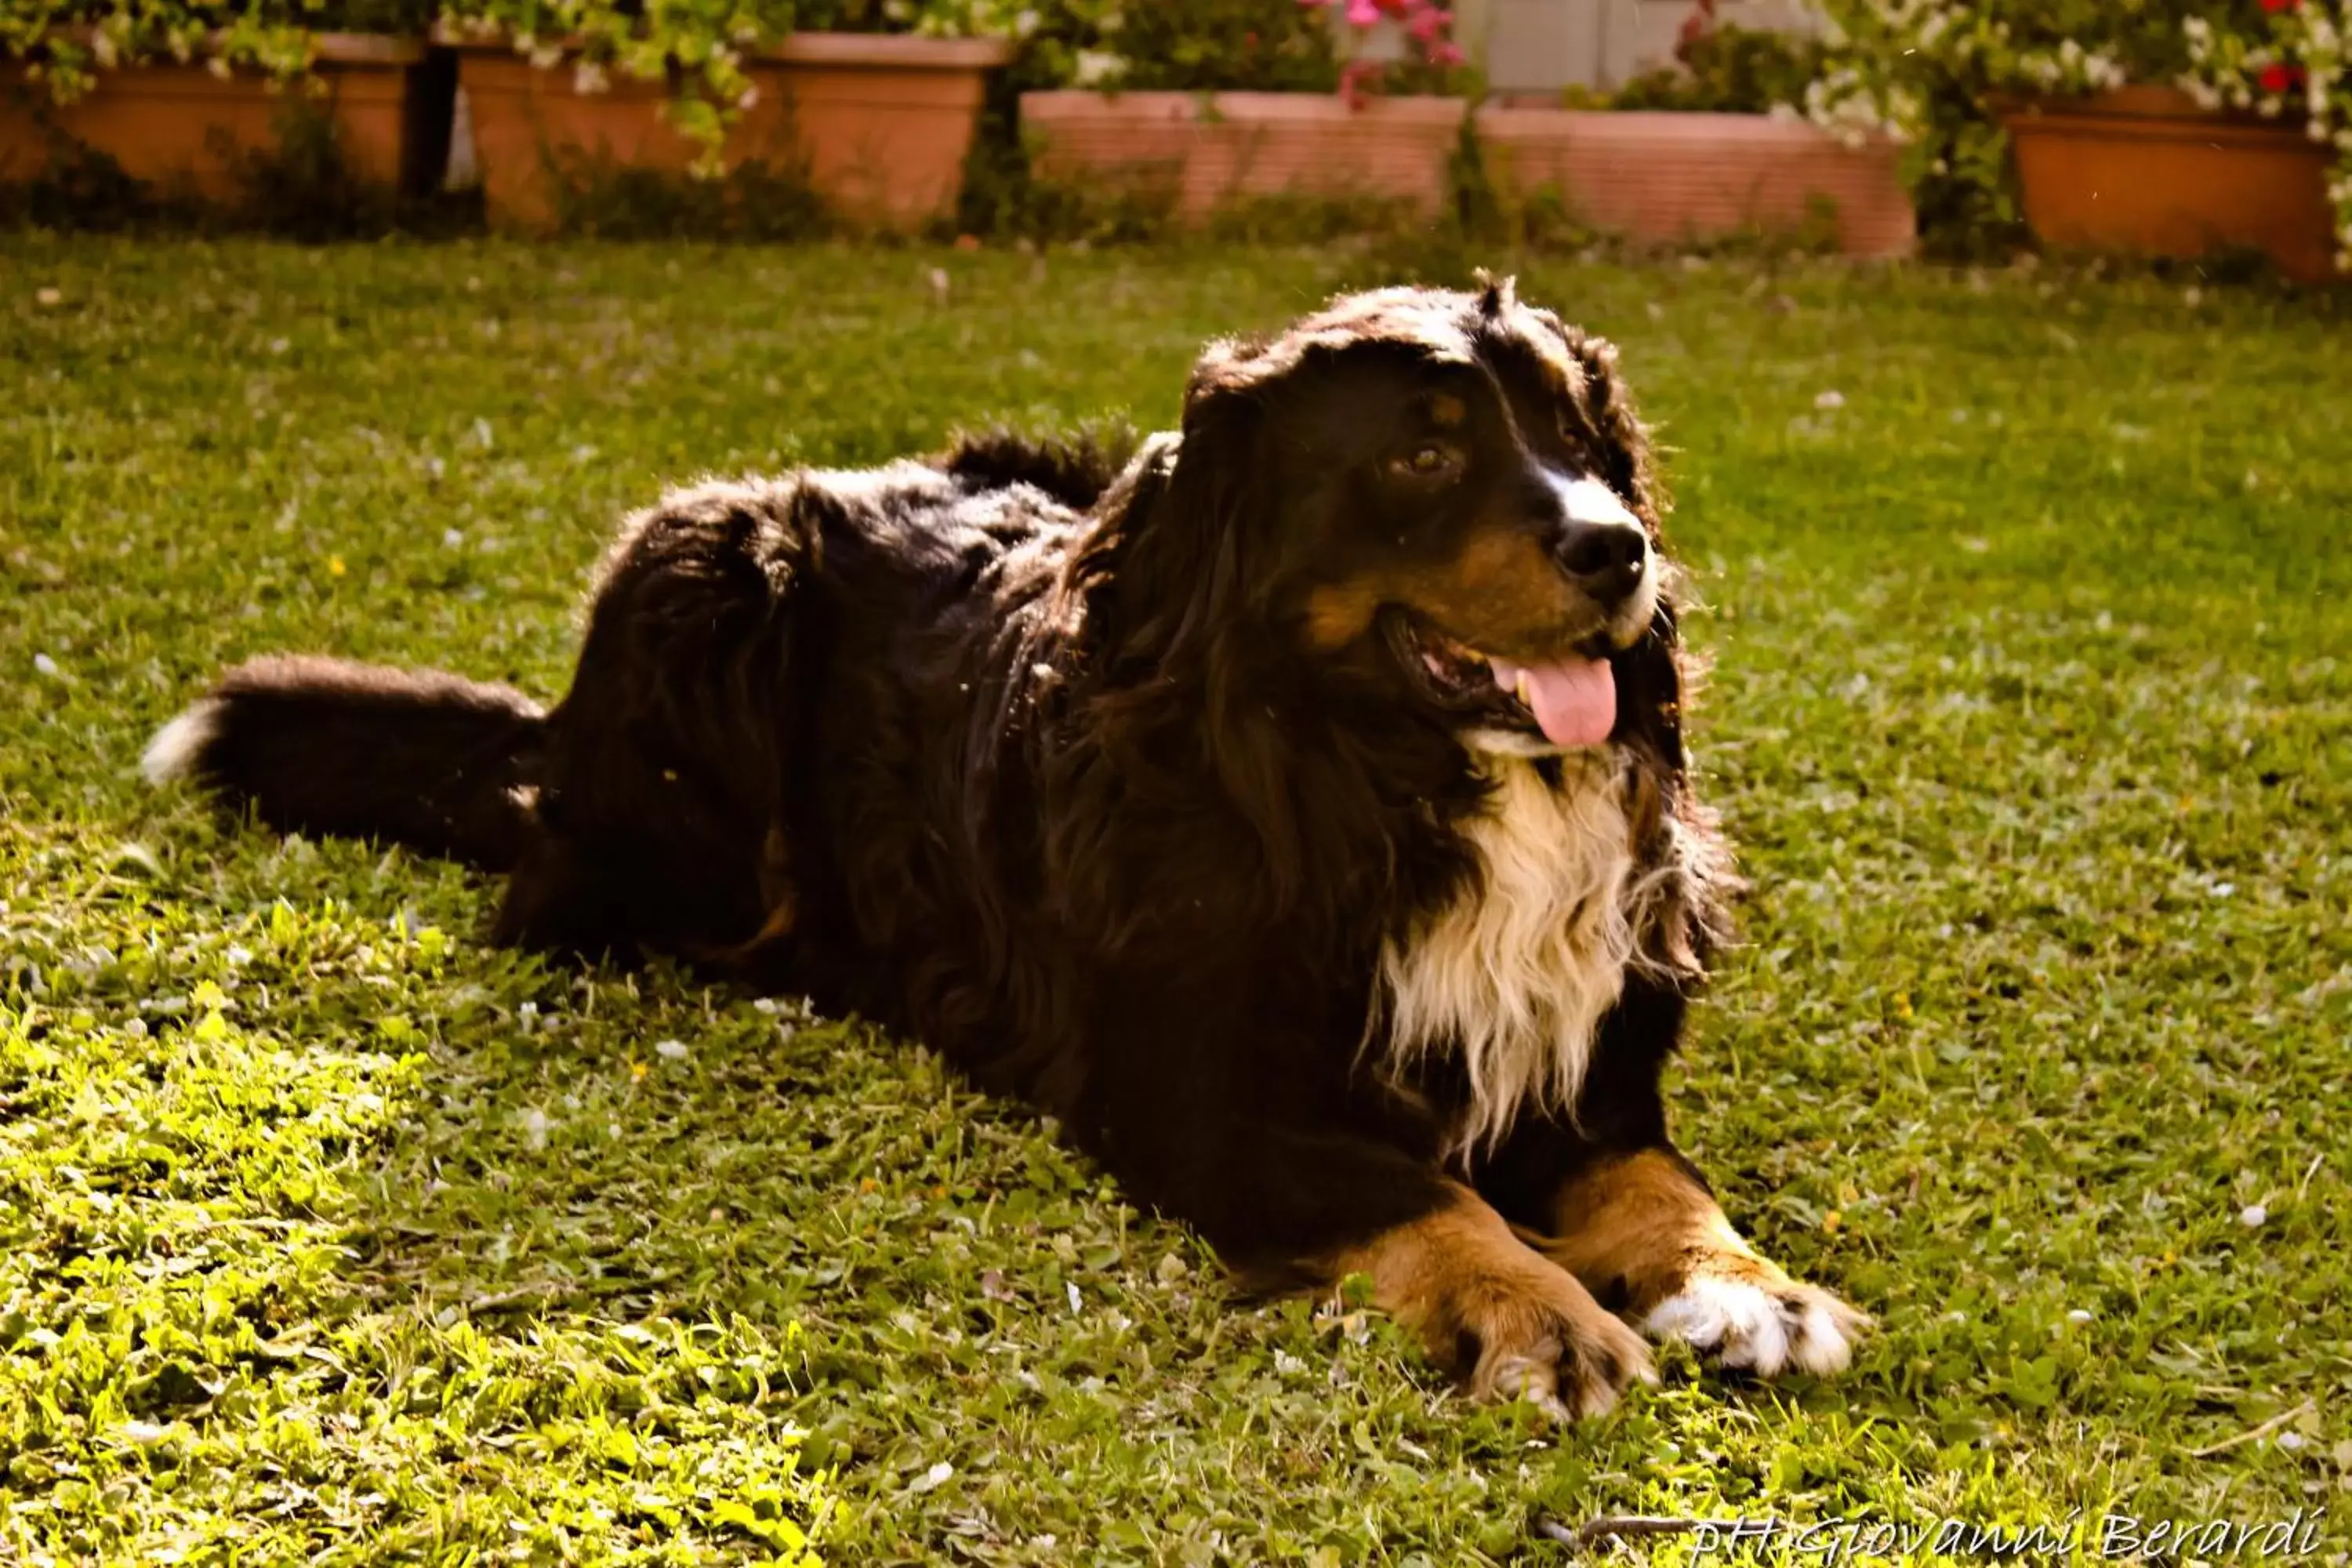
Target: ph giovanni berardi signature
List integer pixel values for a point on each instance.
(2107, 1536)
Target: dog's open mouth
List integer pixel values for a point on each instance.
(1571, 699)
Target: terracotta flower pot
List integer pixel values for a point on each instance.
(1669, 177)
(185, 127)
(2144, 169)
(880, 124)
(1211, 148)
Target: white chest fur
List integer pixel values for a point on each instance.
(1517, 972)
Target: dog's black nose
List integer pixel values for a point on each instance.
(1606, 558)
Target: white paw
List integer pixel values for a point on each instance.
(1760, 1328)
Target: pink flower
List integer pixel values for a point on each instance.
(1362, 13)
(1447, 54)
(1428, 23)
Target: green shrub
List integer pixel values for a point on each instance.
(1203, 46)
(1727, 71)
(64, 41)
(698, 44)
(1937, 72)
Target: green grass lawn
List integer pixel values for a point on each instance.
(328, 1233)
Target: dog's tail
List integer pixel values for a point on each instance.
(439, 763)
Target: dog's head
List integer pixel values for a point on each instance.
(1438, 498)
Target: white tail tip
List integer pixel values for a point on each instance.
(179, 745)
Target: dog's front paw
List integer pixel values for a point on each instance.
(1508, 1322)
(1557, 1350)
(1754, 1318)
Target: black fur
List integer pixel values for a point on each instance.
(307, 741)
(1070, 761)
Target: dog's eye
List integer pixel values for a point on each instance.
(1430, 460)
(1574, 433)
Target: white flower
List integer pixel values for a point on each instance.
(2253, 1216)
(588, 78)
(670, 1050)
(1097, 66)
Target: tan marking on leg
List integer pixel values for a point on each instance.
(1641, 1231)
(1506, 1321)
(1632, 1226)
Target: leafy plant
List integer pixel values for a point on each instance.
(1728, 69)
(1420, 54)
(1934, 71)
(700, 47)
(64, 42)
(1229, 46)
(2299, 62)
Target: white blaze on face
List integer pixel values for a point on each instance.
(1574, 696)
(1584, 498)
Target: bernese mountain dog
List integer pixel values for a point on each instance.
(1293, 804)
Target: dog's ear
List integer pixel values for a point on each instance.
(1166, 568)
(1172, 576)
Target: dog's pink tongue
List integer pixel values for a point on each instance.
(1575, 700)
